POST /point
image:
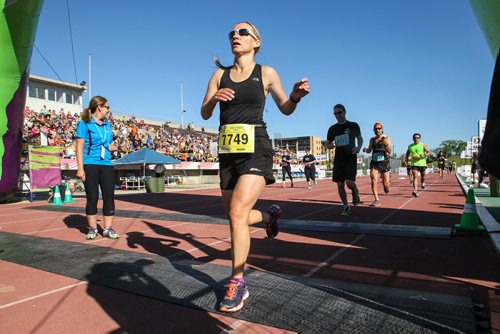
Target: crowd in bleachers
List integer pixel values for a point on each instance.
(58, 128)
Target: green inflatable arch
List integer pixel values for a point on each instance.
(18, 23)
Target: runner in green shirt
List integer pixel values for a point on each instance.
(416, 155)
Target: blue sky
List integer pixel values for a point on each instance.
(415, 66)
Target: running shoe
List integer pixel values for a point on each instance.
(292, 185)
(308, 187)
(346, 211)
(236, 293)
(315, 182)
(92, 234)
(110, 233)
(355, 197)
(386, 190)
(423, 185)
(272, 227)
(414, 194)
(375, 203)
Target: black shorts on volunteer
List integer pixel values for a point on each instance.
(381, 166)
(344, 168)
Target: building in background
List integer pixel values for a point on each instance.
(46, 94)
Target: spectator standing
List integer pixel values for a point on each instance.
(93, 155)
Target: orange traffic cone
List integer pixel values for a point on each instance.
(469, 221)
(56, 199)
(68, 198)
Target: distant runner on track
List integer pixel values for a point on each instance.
(286, 168)
(381, 148)
(441, 159)
(309, 162)
(417, 154)
(343, 136)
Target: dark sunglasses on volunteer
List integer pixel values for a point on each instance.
(242, 32)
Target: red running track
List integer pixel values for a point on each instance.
(36, 301)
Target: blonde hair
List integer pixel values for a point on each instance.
(94, 102)
(257, 49)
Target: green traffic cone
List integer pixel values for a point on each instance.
(56, 199)
(68, 198)
(469, 221)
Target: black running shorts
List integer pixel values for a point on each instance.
(421, 169)
(232, 166)
(344, 168)
(381, 166)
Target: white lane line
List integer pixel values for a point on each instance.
(352, 243)
(332, 257)
(402, 205)
(29, 220)
(208, 245)
(41, 295)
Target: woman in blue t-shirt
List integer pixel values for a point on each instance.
(94, 144)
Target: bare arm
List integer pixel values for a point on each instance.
(356, 149)
(80, 144)
(214, 95)
(369, 148)
(272, 84)
(388, 144)
(427, 151)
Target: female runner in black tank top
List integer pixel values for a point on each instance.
(381, 148)
(241, 90)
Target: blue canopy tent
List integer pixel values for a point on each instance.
(144, 156)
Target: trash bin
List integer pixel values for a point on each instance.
(160, 184)
(151, 186)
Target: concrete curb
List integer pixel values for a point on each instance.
(492, 226)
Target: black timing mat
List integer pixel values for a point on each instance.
(283, 301)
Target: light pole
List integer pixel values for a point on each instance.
(182, 107)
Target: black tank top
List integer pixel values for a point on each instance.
(247, 107)
(379, 148)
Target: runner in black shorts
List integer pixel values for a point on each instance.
(342, 136)
(309, 162)
(441, 159)
(381, 148)
(418, 153)
(286, 168)
(245, 151)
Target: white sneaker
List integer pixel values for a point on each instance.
(110, 234)
(92, 234)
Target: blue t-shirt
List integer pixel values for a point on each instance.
(97, 139)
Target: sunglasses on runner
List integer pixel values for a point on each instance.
(242, 32)
(377, 128)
